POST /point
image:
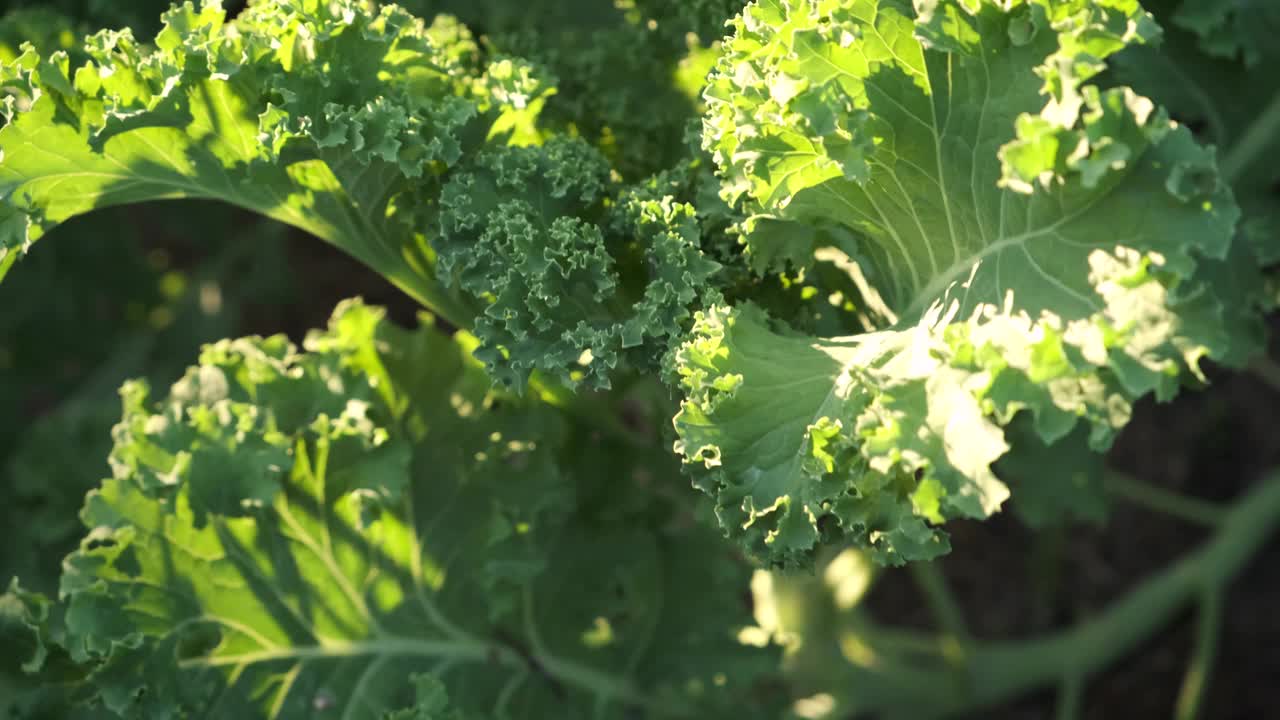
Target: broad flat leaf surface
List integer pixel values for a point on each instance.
(1043, 245)
(298, 534)
(321, 115)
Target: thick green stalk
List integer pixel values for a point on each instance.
(999, 671)
(1070, 698)
(942, 603)
(1195, 683)
(433, 297)
(1158, 499)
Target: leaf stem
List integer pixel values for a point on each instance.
(899, 642)
(590, 679)
(943, 604)
(996, 672)
(1070, 695)
(432, 296)
(1195, 683)
(1162, 500)
(1264, 130)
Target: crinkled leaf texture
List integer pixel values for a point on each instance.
(576, 285)
(382, 135)
(23, 617)
(1044, 248)
(431, 702)
(354, 530)
(325, 115)
(1214, 71)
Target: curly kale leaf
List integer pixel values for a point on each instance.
(23, 619)
(326, 116)
(37, 678)
(1229, 99)
(431, 702)
(629, 74)
(352, 530)
(382, 135)
(1041, 247)
(579, 276)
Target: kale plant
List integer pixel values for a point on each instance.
(853, 269)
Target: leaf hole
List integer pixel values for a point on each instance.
(100, 544)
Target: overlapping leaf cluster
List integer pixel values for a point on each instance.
(529, 227)
(1043, 247)
(243, 114)
(946, 245)
(347, 121)
(628, 74)
(294, 532)
(133, 309)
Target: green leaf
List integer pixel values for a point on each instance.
(22, 619)
(580, 276)
(1042, 246)
(1054, 485)
(628, 74)
(146, 316)
(383, 514)
(431, 702)
(1231, 102)
(38, 681)
(322, 115)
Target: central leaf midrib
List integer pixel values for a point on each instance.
(458, 647)
(588, 678)
(383, 646)
(933, 290)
